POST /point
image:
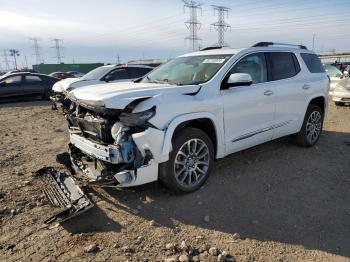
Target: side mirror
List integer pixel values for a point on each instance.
(239, 79)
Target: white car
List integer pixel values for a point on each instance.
(172, 124)
(335, 75)
(100, 75)
(341, 92)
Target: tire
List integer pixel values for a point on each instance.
(192, 168)
(311, 130)
(339, 103)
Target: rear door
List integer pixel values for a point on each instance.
(11, 86)
(33, 85)
(286, 77)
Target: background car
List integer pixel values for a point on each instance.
(25, 85)
(100, 75)
(335, 75)
(62, 75)
(341, 92)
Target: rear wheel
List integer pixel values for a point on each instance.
(312, 127)
(190, 162)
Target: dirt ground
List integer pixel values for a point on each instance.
(274, 202)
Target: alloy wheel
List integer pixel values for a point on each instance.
(313, 126)
(192, 162)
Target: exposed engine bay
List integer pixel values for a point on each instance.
(101, 144)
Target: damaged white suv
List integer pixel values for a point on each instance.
(172, 124)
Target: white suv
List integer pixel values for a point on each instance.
(172, 124)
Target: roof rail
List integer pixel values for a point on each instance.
(261, 44)
(211, 48)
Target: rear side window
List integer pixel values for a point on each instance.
(30, 78)
(313, 63)
(282, 65)
(136, 72)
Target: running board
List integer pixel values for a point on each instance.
(62, 191)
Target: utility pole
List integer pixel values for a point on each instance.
(193, 25)
(58, 46)
(313, 41)
(36, 47)
(25, 58)
(14, 53)
(221, 26)
(7, 67)
(118, 59)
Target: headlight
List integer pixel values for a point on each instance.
(137, 119)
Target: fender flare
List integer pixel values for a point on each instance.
(167, 145)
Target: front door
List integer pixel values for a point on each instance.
(248, 110)
(11, 86)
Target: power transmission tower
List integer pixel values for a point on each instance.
(221, 26)
(58, 46)
(36, 47)
(6, 61)
(193, 24)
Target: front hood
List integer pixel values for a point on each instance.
(119, 95)
(62, 85)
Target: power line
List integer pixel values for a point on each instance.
(58, 46)
(221, 26)
(36, 47)
(193, 24)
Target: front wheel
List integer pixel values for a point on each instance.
(190, 162)
(312, 127)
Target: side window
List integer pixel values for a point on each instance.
(254, 65)
(313, 63)
(135, 72)
(13, 80)
(33, 79)
(282, 65)
(118, 74)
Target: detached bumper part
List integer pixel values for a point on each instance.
(62, 191)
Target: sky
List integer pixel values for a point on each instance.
(100, 31)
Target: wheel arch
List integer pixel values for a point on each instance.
(202, 120)
(319, 101)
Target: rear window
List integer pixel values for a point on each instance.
(283, 65)
(313, 63)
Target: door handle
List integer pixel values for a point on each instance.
(268, 93)
(306, 87)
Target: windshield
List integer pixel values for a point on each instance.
(332, 71)
(190, 70)
(97, 73)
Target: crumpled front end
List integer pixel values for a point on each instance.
(115, 148)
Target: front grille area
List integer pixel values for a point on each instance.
(96, 129)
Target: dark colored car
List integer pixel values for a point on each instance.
(62, 75)
(25, 85)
